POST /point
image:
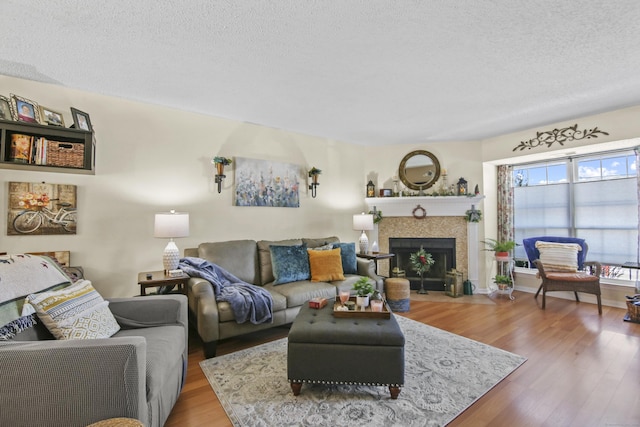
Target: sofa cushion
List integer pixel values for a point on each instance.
(237, 256)
(165, 348)
(298, 293)
(264, 257)
(75, 312)
(348, 256)
(325, 265)
(315, 243)
(225, 314)
(289, 263)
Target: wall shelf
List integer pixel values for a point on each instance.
(61, 139)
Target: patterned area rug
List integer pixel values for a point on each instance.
(444, 374)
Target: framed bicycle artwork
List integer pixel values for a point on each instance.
(38, 208)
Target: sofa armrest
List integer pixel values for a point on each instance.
(367, 268)
(203, 304)
(156, 310)
(100, 379)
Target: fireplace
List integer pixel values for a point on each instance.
(443, 251)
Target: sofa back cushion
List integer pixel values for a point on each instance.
(318, 242)
(239, 257)
(264, 256)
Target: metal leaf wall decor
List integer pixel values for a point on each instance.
(560, 136)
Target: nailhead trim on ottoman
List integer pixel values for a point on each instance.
(397, 291)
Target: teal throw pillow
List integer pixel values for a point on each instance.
(290, 263)
(348, 255)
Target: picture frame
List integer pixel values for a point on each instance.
(386, 192)
(24, 110)
(5, 108)
(51, 117)
(81, 120)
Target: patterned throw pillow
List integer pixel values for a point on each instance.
(75, 312)
(326, 265)
(289, 263)
(348, 255)
(558, 256)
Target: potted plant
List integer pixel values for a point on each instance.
(220, 163)
(503, 282)
(364, 289)
(313, 173)
(501, 249)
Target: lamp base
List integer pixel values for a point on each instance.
(363, 243)
(170, 257)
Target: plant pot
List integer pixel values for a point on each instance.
(502, 256)
(220, 168)
(362, 301)
(503, 286)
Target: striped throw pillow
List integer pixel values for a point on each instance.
(75, 312)
(558, 256)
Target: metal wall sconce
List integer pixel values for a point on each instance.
(313, 174)
(220, 163)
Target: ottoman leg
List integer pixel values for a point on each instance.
(295, 387)
(395, 391)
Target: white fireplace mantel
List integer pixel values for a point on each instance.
(434, 205)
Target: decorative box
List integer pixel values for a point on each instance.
(317, 302)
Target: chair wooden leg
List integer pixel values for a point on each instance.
(576, 294)
(544, 298)
(599, 305)
(539, 289)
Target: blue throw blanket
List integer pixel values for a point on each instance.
(247, 301)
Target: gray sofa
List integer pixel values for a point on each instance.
(136, 373)
(250, 261)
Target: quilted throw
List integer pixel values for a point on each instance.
(21, 275)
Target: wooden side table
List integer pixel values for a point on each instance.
(376, 257)
(150, 279)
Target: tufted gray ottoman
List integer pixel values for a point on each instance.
(328, 350)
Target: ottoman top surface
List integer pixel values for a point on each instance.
(321, 327)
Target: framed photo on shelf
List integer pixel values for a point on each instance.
(24, 110)
(51, 117)
(5, 109)
(81, 120)
(386, 192)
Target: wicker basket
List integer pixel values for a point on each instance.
(65, 154)
(634, 311)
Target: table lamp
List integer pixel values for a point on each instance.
(363, 222)
(170, 225)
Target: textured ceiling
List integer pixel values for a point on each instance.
(368, 72)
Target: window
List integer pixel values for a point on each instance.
(592, 197)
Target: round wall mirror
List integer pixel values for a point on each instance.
(419, 170)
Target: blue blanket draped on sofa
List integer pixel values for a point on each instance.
(247, 301)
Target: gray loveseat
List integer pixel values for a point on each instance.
(136, 373)
(251, 262)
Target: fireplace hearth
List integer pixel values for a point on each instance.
(443, 251)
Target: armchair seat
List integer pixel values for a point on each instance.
(572, 277)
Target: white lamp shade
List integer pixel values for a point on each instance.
(363, 222)
(171, 224)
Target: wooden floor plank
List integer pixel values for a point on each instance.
(582, 369)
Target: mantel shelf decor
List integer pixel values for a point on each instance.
(435, 205)
(560, 136)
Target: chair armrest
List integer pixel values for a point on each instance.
(156, 310)
(367, 268)
(99, 379)
(203, 304)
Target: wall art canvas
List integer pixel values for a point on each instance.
(267, 183)
(38, 208)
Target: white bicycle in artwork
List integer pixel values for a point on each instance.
(32, 218)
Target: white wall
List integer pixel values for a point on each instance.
(151, 159)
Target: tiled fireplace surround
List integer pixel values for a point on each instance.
(445, 218)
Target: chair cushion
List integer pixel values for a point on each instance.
(558, 256)
(75, 312)
(325, 265)
(289, 263)
(571, 277)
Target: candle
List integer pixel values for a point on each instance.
(444, 171)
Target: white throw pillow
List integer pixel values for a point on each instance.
(558, 256)
(75, 312)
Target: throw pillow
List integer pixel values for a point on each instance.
(348, 256)
(75, 312)
(289, 263)
(558, 256)
(326, 265)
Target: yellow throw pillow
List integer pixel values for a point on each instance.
(75, 312)
(326, 266)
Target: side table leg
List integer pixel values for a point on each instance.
(295, 387)
(395, 391)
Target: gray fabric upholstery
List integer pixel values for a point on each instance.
(215, 321)
(137, 373)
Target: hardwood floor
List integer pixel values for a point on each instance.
(582, 369)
